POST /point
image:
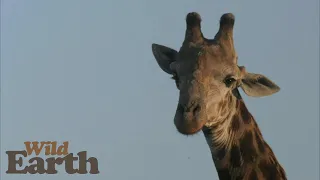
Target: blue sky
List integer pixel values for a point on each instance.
(83, 71)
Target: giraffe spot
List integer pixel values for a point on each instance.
(253, 175)
(235, 123)
(220, 153)
(236, 93)
(238, 104)
(245, 114)
(224, 173)
(235, 156)
(269, 171)
(260, 143)
(247, 148)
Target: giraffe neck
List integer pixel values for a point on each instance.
(238, 148)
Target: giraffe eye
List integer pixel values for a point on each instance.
(229, 81)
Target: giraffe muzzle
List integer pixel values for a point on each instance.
(187, 119)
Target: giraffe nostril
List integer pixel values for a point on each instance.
(196, 109)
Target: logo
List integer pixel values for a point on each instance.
(36, 164)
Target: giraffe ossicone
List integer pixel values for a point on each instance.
(207, 75)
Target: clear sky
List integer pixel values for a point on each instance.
(83, 71)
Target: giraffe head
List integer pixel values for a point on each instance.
(206, 74)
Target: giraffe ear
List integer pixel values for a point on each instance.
(165, 57)
(257, 85)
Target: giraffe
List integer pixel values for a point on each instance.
(207, 75)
